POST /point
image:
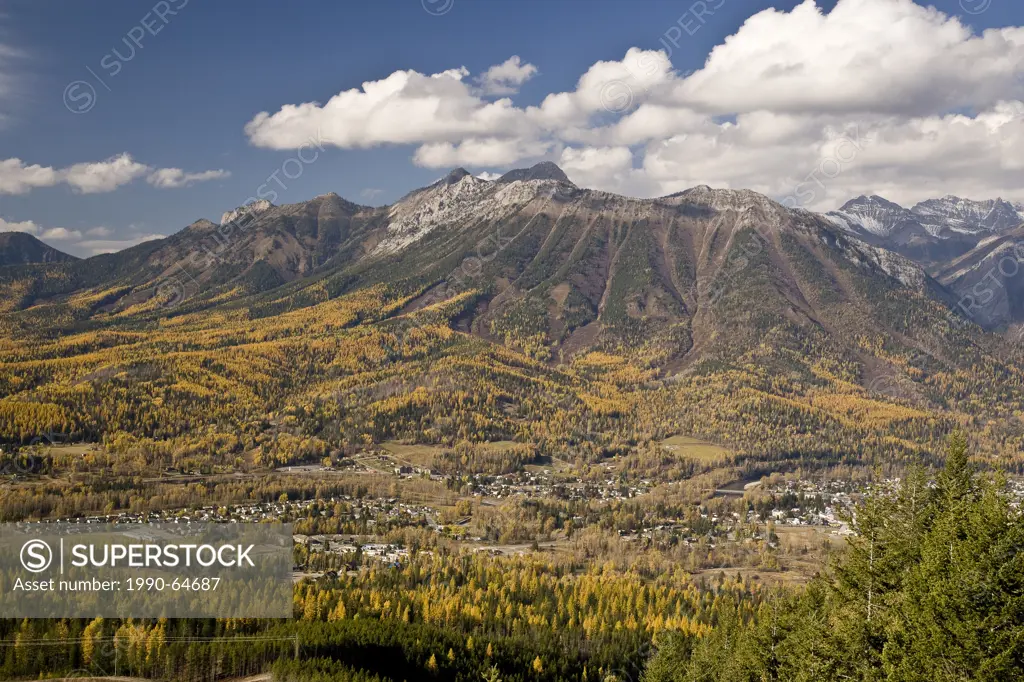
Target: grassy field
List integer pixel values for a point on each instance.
(695, 448)
(423, 455)
(76, 450)
(414, 455)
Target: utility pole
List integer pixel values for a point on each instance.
(296, 646)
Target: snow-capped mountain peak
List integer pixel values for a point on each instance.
(933, 230)
(954, 214)
(873, 215)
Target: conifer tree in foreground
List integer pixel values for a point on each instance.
(930, 589)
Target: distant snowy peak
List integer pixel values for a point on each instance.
(939, 218)
(966, 216)
(874, 215)
(254, 208)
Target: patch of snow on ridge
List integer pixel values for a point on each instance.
(935, 230)
(850, 222)
(840, 220)
(466, 200)
(867, 223)
(895, 265)
(862, 254)
(874, 226)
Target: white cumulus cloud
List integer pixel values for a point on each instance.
(507, 77)
(809, 106)
(26, 226)
(488, 151)
(61, 234)
(94, 247)
(34, 229)
(866, 56)
(91, 242)
(16, 177)
(405, 108)
(104, 176)
(166, 178)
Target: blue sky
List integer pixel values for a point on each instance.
(183, 99)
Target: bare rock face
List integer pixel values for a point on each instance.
(253, 209)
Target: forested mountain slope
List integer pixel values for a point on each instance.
(523, 309)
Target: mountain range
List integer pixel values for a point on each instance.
(719, 312)
(968, 246)
(960, 242)
(950, 222)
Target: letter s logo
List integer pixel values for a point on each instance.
(36, 556)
